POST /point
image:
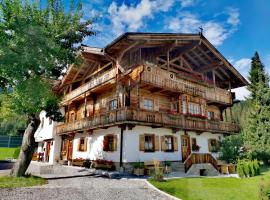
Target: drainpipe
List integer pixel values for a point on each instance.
(121, 145)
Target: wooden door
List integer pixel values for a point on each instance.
(69, 149)
(48, 150)
(185, 147)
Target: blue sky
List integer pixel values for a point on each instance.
(236, 28)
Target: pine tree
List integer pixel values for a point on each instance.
(257, 127)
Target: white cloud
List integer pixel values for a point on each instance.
(243, 63)
(241, 93)
(234, 15)
(186, 3)
(131, 17)
(215, 31)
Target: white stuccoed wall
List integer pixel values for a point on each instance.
(131, 151)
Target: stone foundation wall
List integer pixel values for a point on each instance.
(206, 168)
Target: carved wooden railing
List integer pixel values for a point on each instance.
(152, 118)
(91, 84)
(167, 80)
(198, 158)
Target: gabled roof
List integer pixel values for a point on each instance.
(195, 48)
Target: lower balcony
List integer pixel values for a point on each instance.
(149, 118)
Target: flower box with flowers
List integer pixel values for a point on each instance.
(103, 164)
(196, 116)
(78, 162)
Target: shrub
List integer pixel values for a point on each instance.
(240, 170)
(264, 190)
(158, 171)
(251, 168)
(256, 167)
(138, 165)
(246, 168)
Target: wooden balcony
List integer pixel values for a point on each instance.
(198, 158)
(95, 82)
(149, 118)
(168, 81)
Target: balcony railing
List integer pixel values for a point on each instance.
(144, 117)
(166, 80)
(91, 84)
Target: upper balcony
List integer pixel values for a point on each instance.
(107, 77)
(166, 80)
(150, 118)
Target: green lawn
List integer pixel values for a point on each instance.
(11, 182)
(8, 153)
(213, 188)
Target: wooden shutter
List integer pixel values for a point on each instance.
(163, 147)
(105, 142)
(141, 142)
(156, 143)
(141, 102)
(156, 105)
(114, 142)
(79, 144)
(85, 144)
(209, 145)
(175, 143)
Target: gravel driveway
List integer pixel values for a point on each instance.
(81, 188)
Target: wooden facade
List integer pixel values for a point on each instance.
(179, 81)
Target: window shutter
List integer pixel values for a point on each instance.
(141, 103)
(175, 143)
(105, 143)
(156, 143)
(85, 144)
(163, 147)
(114, 142)
(141, 144)
(156, 105)
(209, 145)
(79, 144)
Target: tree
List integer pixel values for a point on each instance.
(257, 75)
(257, 127)
(37, 42)
(232, 148)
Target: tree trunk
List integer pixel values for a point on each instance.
(27, 149)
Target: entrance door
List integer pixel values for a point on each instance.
(185, 147)
(48, 150)
(69, 149)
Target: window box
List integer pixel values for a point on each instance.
(103, 164)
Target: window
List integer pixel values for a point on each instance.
(213, 145)
(174, 107)
(210, 115)
(113, 105)
(148, 104)
(109, 143)
(194, 108)
(42, 122)
(168, 143)
(50, 121)
(72, 117)
(82, 146)
(194, 145)
(149, 143)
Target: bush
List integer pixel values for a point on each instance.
(264, 190)
(248, 168)
(251, 168)
(232, 149)
(240, 170)
(138, 165)
(158, 172)
(257, 167)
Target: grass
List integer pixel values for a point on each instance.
(213, 188)
(9, 153)
(12, 182)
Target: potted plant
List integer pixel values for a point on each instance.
(138, 168)
(168, 168)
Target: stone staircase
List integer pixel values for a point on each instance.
(178, 167)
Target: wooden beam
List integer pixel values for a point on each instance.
(200, 58)
(192, 59)
(205, 54)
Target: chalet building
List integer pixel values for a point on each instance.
(148, 96)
